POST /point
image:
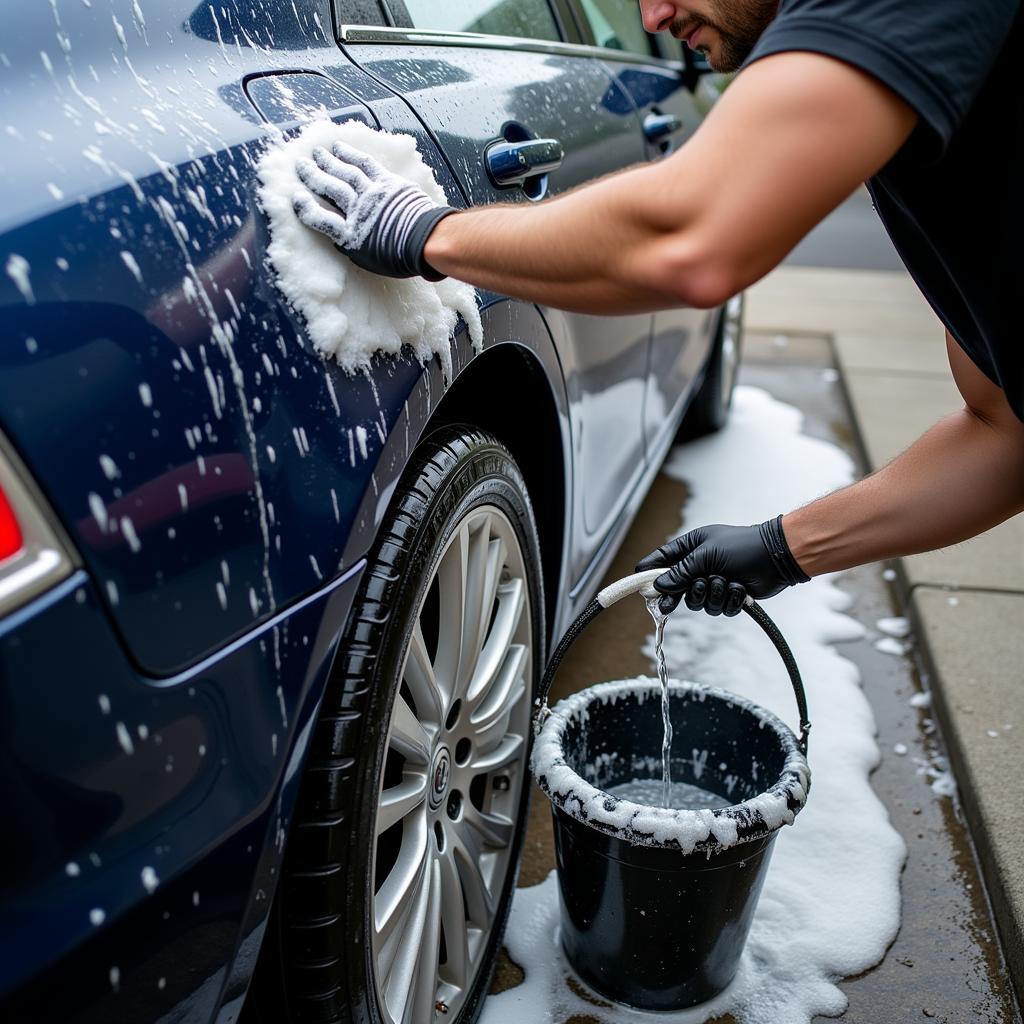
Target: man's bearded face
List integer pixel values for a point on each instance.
(725, 31)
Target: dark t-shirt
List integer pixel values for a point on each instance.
(951, 198)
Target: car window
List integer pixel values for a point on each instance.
(531, 19)
(616, 25)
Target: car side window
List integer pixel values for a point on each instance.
(616, 25)
(530, 19)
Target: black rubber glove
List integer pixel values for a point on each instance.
(378, 219)
(716, 567)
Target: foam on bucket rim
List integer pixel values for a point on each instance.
(665, 827)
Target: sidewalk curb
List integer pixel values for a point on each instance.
(968, 763)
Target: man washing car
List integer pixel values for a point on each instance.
(920, 98)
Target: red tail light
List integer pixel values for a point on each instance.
(34, 555)
(11, 540)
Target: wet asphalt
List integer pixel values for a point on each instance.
(945, 964)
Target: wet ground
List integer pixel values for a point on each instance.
(945, 964)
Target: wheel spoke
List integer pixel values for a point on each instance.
(423, 684)
(398, 801)
(490, 732)
(401, 888)
(466, 854)
(507, 752)
(494, 829)
(408, 736)
(486, 584)
(511, 601)
(453, 916)
(483, 572)
(400, 980)
(495, 697)
(420, 1005)
(476, 571)
(451, 582)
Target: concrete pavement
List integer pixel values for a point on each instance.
(967, 602)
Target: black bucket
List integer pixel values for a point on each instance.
(656, 903)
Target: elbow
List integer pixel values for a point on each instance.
(709, 292)
(701, 277)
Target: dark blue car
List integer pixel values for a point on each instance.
(269, 633)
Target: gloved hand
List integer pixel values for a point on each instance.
(716, 567)
(378, 219)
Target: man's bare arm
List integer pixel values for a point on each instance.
(962, 477)
(791, 138)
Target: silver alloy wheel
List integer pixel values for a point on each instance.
(732, 325)
(453, 774)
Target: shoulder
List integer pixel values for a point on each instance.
(934, 55)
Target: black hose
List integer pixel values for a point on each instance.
(754, 610)
(758, 614)
(579, 624)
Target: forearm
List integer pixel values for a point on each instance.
(963, 477)
(602, 248)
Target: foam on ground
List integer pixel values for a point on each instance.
(350, 313)
(831, 904)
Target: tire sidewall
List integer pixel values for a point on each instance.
(708, 410)
(725, 390)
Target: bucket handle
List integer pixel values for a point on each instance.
(642, 583)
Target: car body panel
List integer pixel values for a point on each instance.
(506, 324)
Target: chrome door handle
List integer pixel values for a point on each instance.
(511, 163)
(657, 126)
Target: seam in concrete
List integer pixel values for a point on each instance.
(790, 332)
(956, 588)
(875, 371)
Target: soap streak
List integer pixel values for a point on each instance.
(666, 743)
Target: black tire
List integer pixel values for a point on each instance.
(322, 911)
(709, 409)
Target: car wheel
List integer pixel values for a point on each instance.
(403, 856)
(709, 409)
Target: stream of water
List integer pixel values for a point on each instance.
(666, 742)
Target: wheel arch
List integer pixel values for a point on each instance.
(492, 395)
(514, 388)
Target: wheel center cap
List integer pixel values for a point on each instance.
(440, 773)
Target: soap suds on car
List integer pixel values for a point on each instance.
(351, 314)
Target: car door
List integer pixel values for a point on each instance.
(485, 93)
(651, 71)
